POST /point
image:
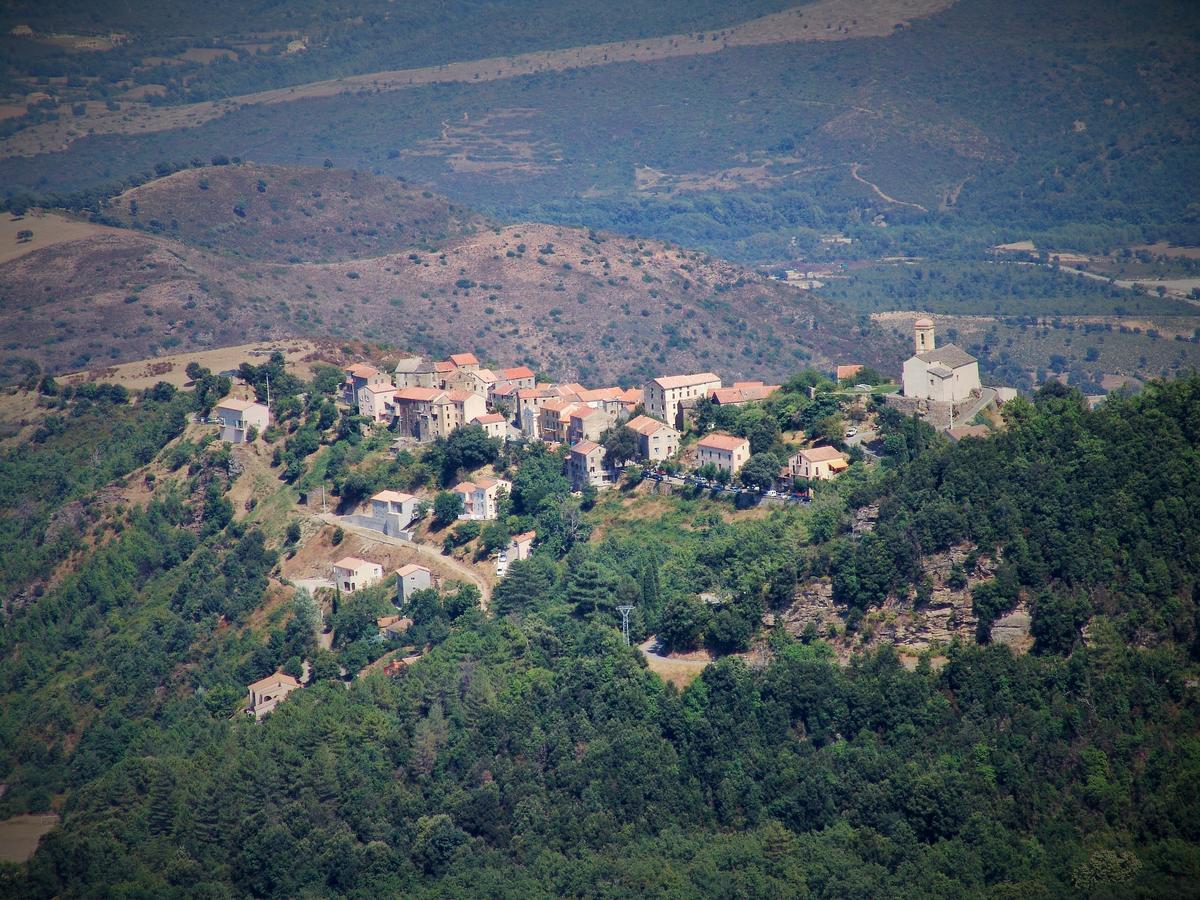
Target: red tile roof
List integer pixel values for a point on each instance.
(517, 372)
(726, 442)
(464, 359)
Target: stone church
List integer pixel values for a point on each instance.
(940, 374)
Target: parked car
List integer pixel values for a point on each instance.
(772, 493)
(851, 432)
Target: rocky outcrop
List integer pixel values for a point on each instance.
(918, 620)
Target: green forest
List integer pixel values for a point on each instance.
(531, 753)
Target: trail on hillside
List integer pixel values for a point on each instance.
(826, 20)
(854, 167)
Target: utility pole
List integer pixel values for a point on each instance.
(625, 611)
(268, 390)
(323, 498)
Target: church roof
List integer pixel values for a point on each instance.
(951, 356)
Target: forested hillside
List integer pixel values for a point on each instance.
(531, 753)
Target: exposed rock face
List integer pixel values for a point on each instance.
(913, 626)
(1013, 628)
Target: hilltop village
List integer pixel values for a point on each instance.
(750, 442)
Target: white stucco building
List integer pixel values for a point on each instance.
(942, 374)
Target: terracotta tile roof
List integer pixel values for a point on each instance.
(485, 375)
(443, 367)
(586, 447)
(726, 442)
(517, 372)
(645, 425)
(393, 497)
(464, 359)
(235, 403)
(743, 393)
(352, 562)
(361, 370)
(534, 393)
(588, 412)
(923, 322)
(489, 419)
(677, 381)
(504, 390)
(633, 396)
(821, 454)
(571, 387)
(460, 396)
(279, 679)
(379, 388)
(486, 483)
(608, 393)
(464, 487)
(950, 356)
(417, 394)
(404, 571)
(523, 537)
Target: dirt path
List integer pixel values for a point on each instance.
(854, 167)
(826, 20)
(459, 568)
(679, 670)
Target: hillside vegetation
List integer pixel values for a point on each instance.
(578, 303)
(287, 214)
(984, 122)
(532, 753)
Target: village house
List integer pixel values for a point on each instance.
(480, 496)
(724, 451)
(269, 692)
(428, 413)
(817, 464)
(656, 440)
(940, 374)
(237, 417)
(521, 545)
(528, 408)
(586, 465)
(414, 371)
(352, 574)
(663, 395)
(410, 579)
(375, 401)
(517, 377)
(494, 424)
(588, 424)
(358, 376)
(394, 510)
(554, 419)
(476, 380)
(742, 392)
(393, 626)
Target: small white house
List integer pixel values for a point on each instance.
(237, 417)
(409, 579)
(353, 574)
(394, 509)
(269, 692)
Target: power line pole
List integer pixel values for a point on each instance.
(625, 611)
(268, 374)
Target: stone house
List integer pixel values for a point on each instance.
(817, 464)
(725, 451)
(269, 692)
(663, 395)
(586, 464)
(656, 440)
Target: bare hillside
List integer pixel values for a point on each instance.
(573, 302)
(290, 214)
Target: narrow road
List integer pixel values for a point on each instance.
(465, 572)
(986, 397)
(854, 174)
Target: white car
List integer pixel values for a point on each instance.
(851, 432)
(772, 493)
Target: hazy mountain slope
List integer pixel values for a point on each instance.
(984, 122)
(289, 214)
(579, 304)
